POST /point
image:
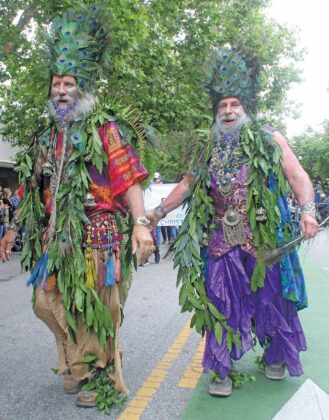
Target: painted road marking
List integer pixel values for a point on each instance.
(152, 384)
(309, 402)
(193, 372)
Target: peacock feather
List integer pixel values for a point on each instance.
(234, 72)
(77, 42)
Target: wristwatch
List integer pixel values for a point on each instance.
(142, 220)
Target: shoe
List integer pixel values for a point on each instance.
(86, 399)
(144, 264)
(221, 389)
(277, 371)
(71, 386)
(157, 258)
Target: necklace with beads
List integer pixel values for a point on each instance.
(226, 161)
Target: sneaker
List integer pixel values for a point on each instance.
(157, 258)
(277, 371)
(221, 389)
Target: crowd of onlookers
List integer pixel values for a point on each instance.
(8, 204)
(321, 205)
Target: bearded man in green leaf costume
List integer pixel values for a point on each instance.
(79, 177)
(236, 211)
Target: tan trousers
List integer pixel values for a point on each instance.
(49, 308)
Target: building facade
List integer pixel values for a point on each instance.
(8, 177)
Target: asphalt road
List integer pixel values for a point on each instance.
(29, 389)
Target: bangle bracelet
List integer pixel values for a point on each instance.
(160, 211)
(142, 220)
(12, 226)
(308, 208)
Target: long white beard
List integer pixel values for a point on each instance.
(84, 105)
(218, 128)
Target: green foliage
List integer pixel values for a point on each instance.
(107, 396)
(238, 377)
(159, 52)
(312, 148)
(260, 363)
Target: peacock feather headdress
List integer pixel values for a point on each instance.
(234, 72)
(77, 44)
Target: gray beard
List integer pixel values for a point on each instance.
(218, 128)
(84, 105)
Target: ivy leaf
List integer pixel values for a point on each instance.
(79, 298)
(257, 279)
(218, 333)
(89, 358)
(229, 341)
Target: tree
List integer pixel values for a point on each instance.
(160, 50)
(313, 149)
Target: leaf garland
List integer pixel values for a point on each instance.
(187, 256)
(263, 157)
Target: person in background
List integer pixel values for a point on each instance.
(158, 180)
(15, 199)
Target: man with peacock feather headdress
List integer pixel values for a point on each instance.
(236, 211)
(80, 177)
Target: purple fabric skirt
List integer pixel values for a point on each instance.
(275, 319)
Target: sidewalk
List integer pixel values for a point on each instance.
(262, 399)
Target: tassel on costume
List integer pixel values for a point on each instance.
(101, 269)
(90, 264)
(38, 272)
(109, 270)
(117, 266)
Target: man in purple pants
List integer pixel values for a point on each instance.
(243, 179)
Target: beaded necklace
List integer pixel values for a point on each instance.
(226, 160)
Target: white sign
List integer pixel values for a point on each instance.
(154, 195)
(7, 152)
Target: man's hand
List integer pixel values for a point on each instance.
(142, 239)
(154, 220)
(309, 225)
(6, 245)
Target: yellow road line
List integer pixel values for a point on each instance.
(153, 382)
(193, 372)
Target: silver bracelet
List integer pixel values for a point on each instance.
(308, 208)
(160, 211)
(142, 220)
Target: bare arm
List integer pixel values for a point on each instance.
(141, 236)
(300, 183)
(174, 199)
